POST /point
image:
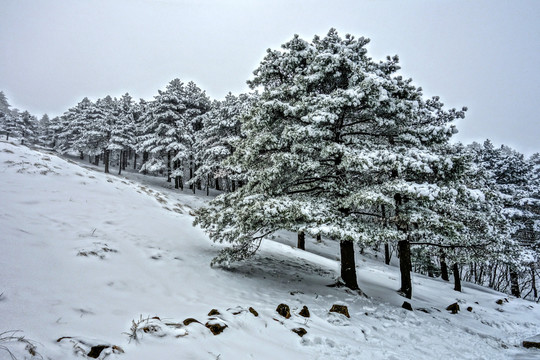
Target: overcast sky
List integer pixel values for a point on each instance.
(482, 54)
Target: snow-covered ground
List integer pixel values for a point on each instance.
(83, 254)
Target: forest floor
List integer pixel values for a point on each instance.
(89, 259)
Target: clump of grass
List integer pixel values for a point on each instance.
(13, 336)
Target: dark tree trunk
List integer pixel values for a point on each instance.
(135, 161)
(348, 267)
(145, 159)
(319, 238)
(207, 185)
(533, 282)
(7, 136)
(444, 268)
(302, 240)
(96, 160)
(124, 159)
(106, 160)
(81, 155)
(169, 166)
(217, 184)
(404, 249)
(514, 283)
(387, 254)
(233, 186)
(120, 162)
(457, 278)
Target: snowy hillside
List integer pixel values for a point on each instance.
(83, 254)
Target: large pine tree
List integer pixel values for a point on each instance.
(333, 138)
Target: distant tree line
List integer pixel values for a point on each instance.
(330, 144)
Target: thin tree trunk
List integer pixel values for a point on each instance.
(457, 278)
(145, 159)
(120, 162)
(533, 282)
(135, 161)
(96, 160)
(404, 248)
(514, 283)
(387, 254)
(319, 238)
(207, 185)
(444, 268)
(301, 240)
(106, 160)
(217, 184)
(169, 166)
(348, 266)
(81, 155)
(124, 159)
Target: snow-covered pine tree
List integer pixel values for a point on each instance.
(7, 117)
(71, 128)
(196, 104)
(514, 178)
(44, 133)
(333, 137)
(123, 130)
(161, 134)
(214, 143)
(25, 126)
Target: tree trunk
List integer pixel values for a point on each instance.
(348, 267)
(207, 185)
(444, 268)
(533, 282)
(120, 162)
(145, 159)
(217, 184)
(457, 278)
(319, 238)
(96, 160)
(106, 160)
(514, 283)
(81, 155)
(124, 159)
(404, 249)
(169, 166)
(301, 240)
(135, 161)
(387, 254)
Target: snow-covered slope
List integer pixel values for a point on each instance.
(82, 254)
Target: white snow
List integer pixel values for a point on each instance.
(83, 253)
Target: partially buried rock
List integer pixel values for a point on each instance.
(407, 306)
(215, 328)
(469, 309)
(283, 310)
(340, 309)
(253, 311)
(95, 351)
(190, 321)
(532, 342)
(213, 312)
(304, 312)
(454, 308)
(300, 331)
(499, 302)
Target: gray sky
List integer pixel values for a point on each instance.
(482, 54)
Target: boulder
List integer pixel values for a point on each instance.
(213, 312)
(407, 306)
(253, 311)
(284, 310)
(532, 342)
(340, 309)
(304, 312)
(300, 331)
(215, 328)
(190, 321)
(454, 308)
